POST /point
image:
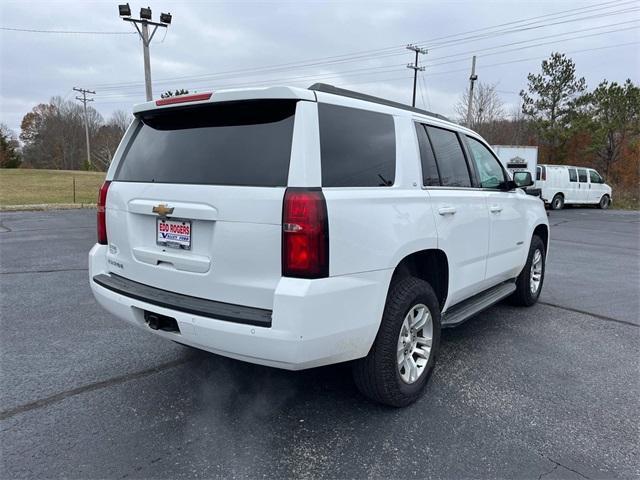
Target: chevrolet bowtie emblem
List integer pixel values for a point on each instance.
(162, 210)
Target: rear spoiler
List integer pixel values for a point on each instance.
(267, 93)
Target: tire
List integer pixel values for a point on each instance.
(378, 375)
(558, 202)
(605, 201)
(524, 295)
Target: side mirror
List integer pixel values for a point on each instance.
(522, 179)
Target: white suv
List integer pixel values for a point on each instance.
(296, 228)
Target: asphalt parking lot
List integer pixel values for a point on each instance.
(548, 392)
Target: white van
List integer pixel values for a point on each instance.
(563, 184)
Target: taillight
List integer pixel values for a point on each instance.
(102, 221)
(305, 234)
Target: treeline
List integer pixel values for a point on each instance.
(53, 136)
(569, 123)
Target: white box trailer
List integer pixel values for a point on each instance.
(516, 158)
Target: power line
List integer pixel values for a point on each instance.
(448, 71)
(480, 54)
(524, 28)
(31, 30)
(373, 69)
(536, 58)
(377, 53)
(594, 7)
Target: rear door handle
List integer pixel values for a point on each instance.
(495, 208)
(447, 210)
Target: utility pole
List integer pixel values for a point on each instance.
(143, 32)
(472, 80)
(84, 101)
(415, 67)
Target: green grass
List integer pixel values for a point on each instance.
(31, 187)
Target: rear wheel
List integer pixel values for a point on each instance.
(529, 282)
(558, 202)
(605, 201)
(403, 354)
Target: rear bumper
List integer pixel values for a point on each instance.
(313, 322)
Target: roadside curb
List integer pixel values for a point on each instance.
(46, 207)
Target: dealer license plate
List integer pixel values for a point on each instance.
(173, 233)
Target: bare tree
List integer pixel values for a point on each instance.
(487, 108)
(53, 135)
(121, 120)
(108, 137)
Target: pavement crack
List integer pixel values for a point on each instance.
(54, 270)
(58, 397)
(7, 229)
(595, 315)
(544, 474)
(558, 464)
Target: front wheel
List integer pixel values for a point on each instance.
(404, 352)
(605, 201)
(529, 282)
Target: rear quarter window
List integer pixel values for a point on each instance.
(357, 147)
(452, 165)
(244, 143)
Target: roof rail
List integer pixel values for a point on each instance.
(326, 88)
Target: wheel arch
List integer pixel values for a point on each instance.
(542, 231)
(430, 265)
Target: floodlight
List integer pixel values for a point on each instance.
(125, 10)
(145, 13)
(165, 18)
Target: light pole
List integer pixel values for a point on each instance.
(143, 31)
(472, 80)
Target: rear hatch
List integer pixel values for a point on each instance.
(195, 204)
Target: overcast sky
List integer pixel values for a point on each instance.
(357, 45)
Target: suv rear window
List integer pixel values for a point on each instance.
(357, 147)
(231, 143)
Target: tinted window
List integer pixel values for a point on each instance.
(430, 175)
(538, 171)
(573, 176)
(595, 178)
(450, 158)
(582, 175)
(231, 143)
(358, 148)
(487, 165)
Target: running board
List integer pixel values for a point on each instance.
(474, 305)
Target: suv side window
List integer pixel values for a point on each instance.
(573, 176)
(452, 165)
(487, 165)
(582, 175)
(595, 177)
(357, 147)
(430, 175)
